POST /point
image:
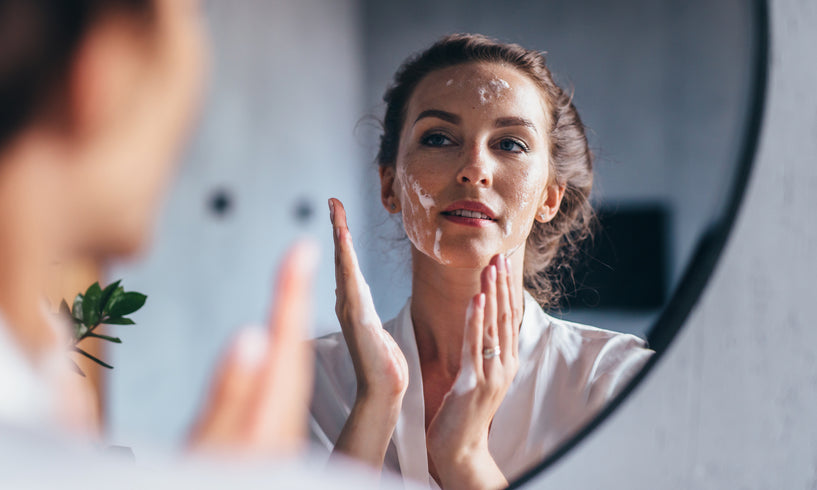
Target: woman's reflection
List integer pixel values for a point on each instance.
(486, 160)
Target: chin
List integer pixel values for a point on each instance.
(463, 257)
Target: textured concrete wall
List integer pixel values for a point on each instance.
(734, 403)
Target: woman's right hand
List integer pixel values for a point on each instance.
(380, 367)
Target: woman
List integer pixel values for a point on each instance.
(97, 97)
(486, 160)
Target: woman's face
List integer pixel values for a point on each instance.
(148, 91)
(471, 173)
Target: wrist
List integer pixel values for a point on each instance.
(469, 468)
(378, 407)
(368, 429)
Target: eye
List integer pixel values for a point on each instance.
(512, 145)
(436, 140)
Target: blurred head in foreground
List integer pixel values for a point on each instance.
(97, 96)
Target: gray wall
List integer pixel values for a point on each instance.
(732, 405)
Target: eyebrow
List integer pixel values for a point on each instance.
(445, 116)
(504, 122)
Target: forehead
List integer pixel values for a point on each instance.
(479, 90)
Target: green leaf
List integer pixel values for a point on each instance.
(106, 295)
(116, 297)
(90, 305)
(89, 356)
(76, 312)
(119, 321)
(126, 304)
(115, 340)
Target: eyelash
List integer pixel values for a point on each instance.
(523, 146)
(426, 141)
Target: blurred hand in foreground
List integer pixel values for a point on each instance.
(259, 397)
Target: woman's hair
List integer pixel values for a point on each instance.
(38, 39)
(550, 246)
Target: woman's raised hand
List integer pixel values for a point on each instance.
(259, 401)
(380, 367)
(458, 434)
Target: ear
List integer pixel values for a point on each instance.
(550, 203)
(387, 195)
(103, 76)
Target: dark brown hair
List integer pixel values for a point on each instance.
(550, 246)
(38, 39)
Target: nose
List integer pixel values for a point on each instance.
(476, 169)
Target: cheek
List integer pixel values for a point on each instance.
(413, 192)
(419, 208)
(523, 195)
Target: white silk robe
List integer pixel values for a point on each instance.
(26, 389)
(567, 372)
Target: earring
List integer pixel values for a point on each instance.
(393, 207)
(543, 216)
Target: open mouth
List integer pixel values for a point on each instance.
(471, 213)
(468, 214)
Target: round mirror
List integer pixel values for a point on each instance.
(670, 92)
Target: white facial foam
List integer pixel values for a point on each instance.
(437, 237)
(493, 89)
(467, 378)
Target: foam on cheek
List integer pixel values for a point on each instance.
(437, 237)
(414, 229)
(467, 378)
(425, 199)
(522, 197)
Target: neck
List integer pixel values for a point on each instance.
(28, 242)
(439, 299)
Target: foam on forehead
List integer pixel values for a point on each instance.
(486, 90)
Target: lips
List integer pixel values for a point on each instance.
(468, 214)
(470, 210)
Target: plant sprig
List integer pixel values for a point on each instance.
(96, 307)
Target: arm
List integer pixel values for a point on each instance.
(380, 367)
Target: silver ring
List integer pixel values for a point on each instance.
(490, 352)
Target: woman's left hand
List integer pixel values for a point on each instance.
(458, 434)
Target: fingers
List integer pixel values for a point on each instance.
(258, 402)
(470, 374)
(345, 256)
(231, 391)
(489, 334)
(340, 232)
(290, 314)
(354, 300)
(503, 309)
(282, 399)
(472, 340)
(347, 268)
(516, 310)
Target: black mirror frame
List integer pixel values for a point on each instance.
(709, 247)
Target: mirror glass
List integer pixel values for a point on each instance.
(664, 89)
